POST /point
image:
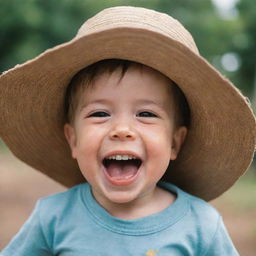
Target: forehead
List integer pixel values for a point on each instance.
(137, 82)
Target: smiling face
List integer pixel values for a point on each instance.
(123, 135)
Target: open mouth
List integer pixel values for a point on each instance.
(121, 167)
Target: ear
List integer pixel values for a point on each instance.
(70, 135)
(177, 141)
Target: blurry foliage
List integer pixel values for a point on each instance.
(29, 27)
(240, 203)
(246, 43)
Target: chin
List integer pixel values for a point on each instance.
(121, 198)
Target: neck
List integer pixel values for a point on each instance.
(158, 200)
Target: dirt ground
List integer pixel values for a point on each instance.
(20, 187)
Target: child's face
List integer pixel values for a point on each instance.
(131, 117)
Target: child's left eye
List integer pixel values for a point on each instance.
(99, 114)
(146, 114)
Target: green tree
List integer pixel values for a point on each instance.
(29, 27)
(246, 44)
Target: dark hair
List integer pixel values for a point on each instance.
(86, 77)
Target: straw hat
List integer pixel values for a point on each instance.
(220, 142)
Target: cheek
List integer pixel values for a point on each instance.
(88, 133)
(89, 140)
(86, 153)
(158, 137)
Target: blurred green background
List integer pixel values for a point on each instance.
(224, 31)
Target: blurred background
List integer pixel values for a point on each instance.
(224, 31)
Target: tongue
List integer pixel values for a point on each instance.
(121, 171)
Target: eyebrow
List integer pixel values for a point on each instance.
(99, 101)
(140, 101)
(150, 102)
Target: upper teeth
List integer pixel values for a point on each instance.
(121, 157)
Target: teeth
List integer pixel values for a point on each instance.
(121, 157)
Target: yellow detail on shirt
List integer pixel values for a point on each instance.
(151, 253)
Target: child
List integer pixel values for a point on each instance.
(141, 105)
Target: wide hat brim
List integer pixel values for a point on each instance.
(221, 139)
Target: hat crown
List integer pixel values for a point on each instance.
(138, 18)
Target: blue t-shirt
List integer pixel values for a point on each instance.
(72, 223)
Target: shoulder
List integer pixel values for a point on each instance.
(73, 191)
(205, 225)
(61, 203)
(203, 220)
(199, 216)
(211, 230)
(63, 196)
(57, 211)
(202, 209)
(202, 213)
(199, 224)
(195, 207)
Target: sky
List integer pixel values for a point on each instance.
(225, 4)
(226, 8)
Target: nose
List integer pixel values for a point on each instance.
(122, 131)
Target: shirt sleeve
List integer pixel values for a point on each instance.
(30, 240)
(221, 243)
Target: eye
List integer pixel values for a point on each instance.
(146, 114)
(99, 114)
